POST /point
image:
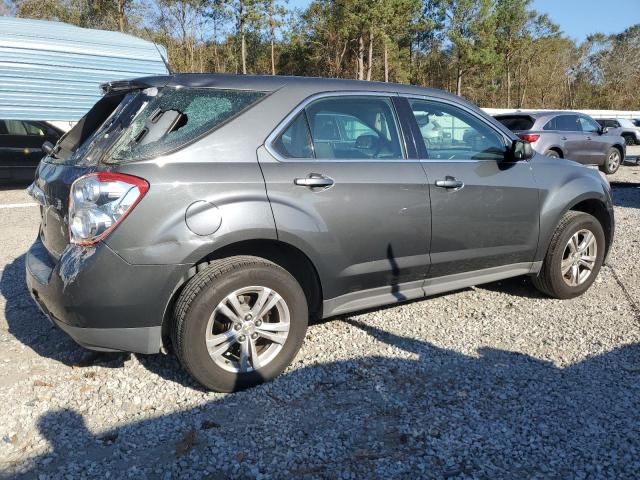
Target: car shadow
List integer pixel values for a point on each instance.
(626, 194)
(425, 412)
(28, 325)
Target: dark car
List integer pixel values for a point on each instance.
(218, 213)
(21, 147)
(570, 135)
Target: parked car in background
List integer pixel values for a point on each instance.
(21, 148)
(217, 213)
(570, 135)
(636, 122)
(622, 127)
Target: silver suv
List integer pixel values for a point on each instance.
(622, 127)
(216, 214)
(570, 135)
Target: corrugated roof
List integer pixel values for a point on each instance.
(52, 70)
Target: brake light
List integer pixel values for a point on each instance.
(529, 137)
(98, 202)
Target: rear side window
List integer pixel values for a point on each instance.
(175, 117)
(359, 128)
(15, 127)
(564, 123)
(516, 122)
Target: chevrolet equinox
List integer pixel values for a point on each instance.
(216, 214)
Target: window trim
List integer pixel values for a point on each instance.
(302, 106)
(507, 141)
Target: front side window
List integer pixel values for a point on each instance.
(34, 129)
(351, 127)
(451, 133)
(588, 125)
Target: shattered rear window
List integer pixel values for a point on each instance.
(176, 117)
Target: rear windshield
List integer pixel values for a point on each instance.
(516, 122)
(146, 123)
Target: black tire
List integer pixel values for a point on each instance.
(612, 161)
(552, 154)
(550, 280)
(629, 140)
(201, 296)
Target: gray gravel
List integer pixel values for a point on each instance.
(488, 382)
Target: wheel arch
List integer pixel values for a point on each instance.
(289, 257)
(598, 209)
(556, 148)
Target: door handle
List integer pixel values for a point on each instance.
(588, 138)
(314, 180)
(563, 138)
(450, 182)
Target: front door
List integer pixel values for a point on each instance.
(344, 191)
(484, 207)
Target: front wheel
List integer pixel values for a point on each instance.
(612, 162)
(239, 322)
(574, 257)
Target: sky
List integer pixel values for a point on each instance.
(578, 18)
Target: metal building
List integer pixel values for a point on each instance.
(52, 70)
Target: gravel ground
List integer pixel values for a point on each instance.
(488, 382)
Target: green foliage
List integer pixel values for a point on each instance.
(498, 53)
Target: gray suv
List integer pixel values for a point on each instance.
(575, 136)
(217, 214)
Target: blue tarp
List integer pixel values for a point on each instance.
(52, 70)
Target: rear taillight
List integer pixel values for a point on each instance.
(99, 201)
(529, 137)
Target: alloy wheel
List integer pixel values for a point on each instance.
(579, 257)
(613, 161)
(248, 329)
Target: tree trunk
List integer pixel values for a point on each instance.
(370, 59)
(121, 16)
(272, 32)
(508, 85)
(360, 59)
(386, 62)
(243, 42)
(459, 82)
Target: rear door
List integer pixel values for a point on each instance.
(484, 207)
(353, 198)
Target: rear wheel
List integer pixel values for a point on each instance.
(552, 154)
(574, 257)
(612, 162)
(239, 322)
(629, 140)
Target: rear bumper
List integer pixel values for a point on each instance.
(101, 301)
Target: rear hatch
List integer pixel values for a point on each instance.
(517, 123)
(79, 152)
(132, 122)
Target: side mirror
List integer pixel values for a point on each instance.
(604, 130)
(521, 150)
(47, 147)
